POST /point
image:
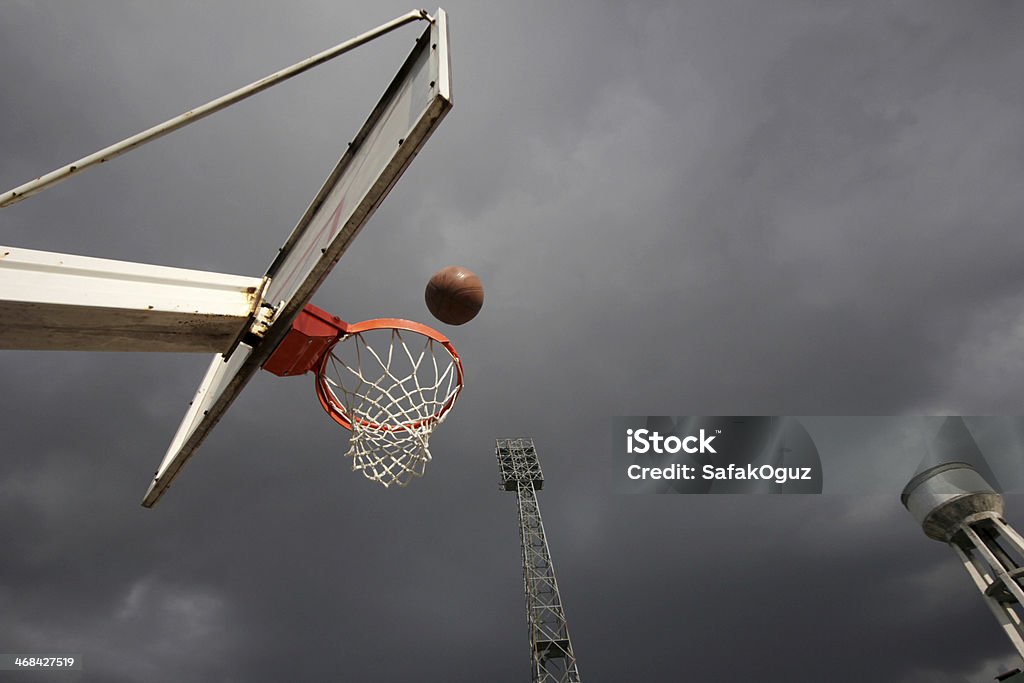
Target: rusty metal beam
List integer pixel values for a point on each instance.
(53, 301)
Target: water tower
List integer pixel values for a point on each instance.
(956, 505)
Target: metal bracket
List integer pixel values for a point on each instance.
(264, 319)
(261, 316)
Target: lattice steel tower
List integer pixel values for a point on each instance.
(552, 658)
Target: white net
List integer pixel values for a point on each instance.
(394, 387)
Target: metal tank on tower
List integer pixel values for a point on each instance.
(551, 654)
(956, 505)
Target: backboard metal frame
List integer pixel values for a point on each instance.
(412, 107)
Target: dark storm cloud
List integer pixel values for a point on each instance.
(700, 208)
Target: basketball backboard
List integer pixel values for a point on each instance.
(408, 112)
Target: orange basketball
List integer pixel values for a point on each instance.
(454, 295)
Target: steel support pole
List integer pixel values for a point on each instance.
(552, 658)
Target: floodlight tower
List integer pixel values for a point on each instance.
(955, 505)
(552, 658)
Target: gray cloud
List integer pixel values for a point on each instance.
(699, 208)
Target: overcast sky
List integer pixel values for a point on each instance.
(716, 207)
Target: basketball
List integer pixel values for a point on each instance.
(454, 295)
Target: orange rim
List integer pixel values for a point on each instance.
(337, 411)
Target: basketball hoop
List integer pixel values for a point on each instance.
(390, 381)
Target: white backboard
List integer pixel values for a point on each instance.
(409, 111)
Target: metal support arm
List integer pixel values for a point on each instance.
(52, 301)
(117, 149)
